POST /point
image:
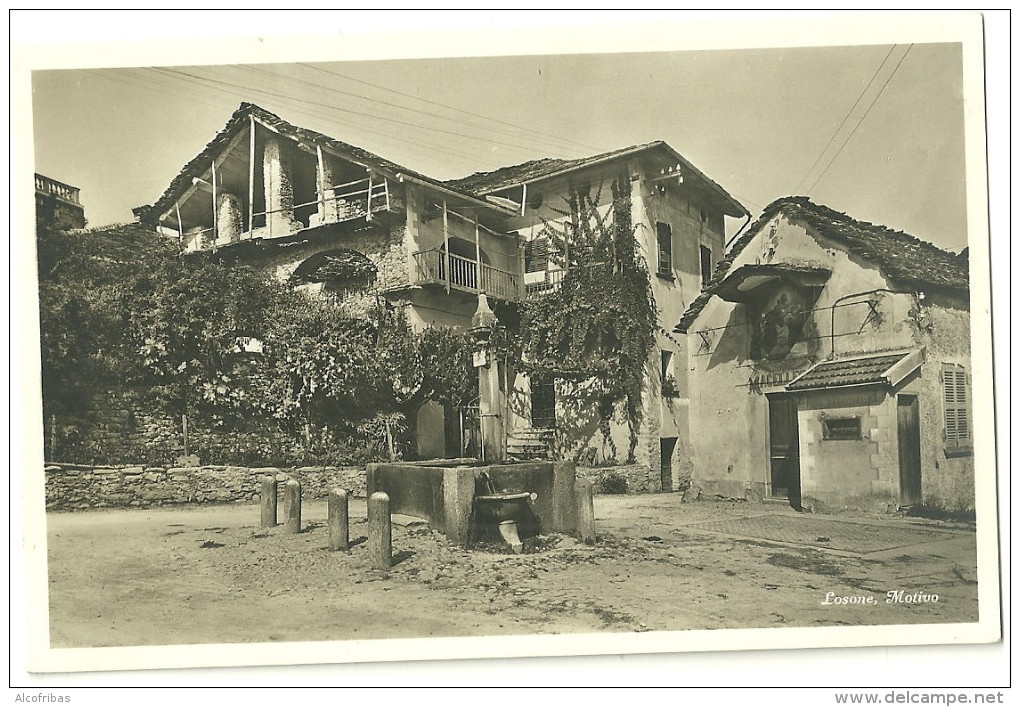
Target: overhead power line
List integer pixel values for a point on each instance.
(459, 110)
(845, 118)
(866, 112)
(542, 142)
(245, 93)
(395, 121)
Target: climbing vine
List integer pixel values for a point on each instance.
(595, 332)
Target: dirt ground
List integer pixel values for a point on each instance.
(210, 574)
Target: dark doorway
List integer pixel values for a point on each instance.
(543, 401)
(784, 448)
(667, 445)
(909, 428)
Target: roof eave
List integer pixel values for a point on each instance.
(502, 210)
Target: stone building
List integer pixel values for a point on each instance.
(830, 366)
(678, 215)
(57, 205)
(319, 212)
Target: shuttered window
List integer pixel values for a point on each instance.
(536, 255)
(956, 403)
(664, 238)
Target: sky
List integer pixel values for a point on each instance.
(876, 131)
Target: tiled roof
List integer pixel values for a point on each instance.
(903, 259)
(239, 121)
(504, 177)
(851, 371)
(513, 175)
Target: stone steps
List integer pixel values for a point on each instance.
(529, 443)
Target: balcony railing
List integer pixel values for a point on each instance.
(459, 273)
(550, 283)
(60, 190)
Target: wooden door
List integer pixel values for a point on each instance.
(667, 445)
(543, 401)
(784, 447)
(909, 429)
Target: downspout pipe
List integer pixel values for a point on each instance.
(832, 314)
(739, 231)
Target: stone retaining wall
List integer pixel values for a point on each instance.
(78, 487)
(640, 478)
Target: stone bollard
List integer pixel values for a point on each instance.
(269, 502)
(338, 521)
(584, 493)
(292, 506)
(380, 539)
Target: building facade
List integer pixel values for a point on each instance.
(321, 214)
(57, 205)
(830, 367)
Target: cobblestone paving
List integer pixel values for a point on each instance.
(848, 536)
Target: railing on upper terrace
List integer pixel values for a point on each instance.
(550, 283)
(60, 190)
(363, 197)
(435, 266)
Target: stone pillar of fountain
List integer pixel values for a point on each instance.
(490, 396)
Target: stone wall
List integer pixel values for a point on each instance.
(119, 427)
(77, 487)
(641, 478)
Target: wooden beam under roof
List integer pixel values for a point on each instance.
(195, 186)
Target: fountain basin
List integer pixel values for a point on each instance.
(448, 496)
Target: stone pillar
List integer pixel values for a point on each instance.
(338, 521)
(327, 211)
(269, 502)
(380, 539)
(229, 223)
(279, 190)
(564, 501)
(458, 499)
(585, 495)
(490, 397)
(292, 506)
(490, 407)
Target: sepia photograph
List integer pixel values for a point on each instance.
(643, 341)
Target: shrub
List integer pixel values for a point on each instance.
(942, 512)
(612, 482)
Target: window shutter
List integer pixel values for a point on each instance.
(956, 403)
(664, 238)
(536, 255)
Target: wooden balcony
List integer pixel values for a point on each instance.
(549, 283)
(436, 267)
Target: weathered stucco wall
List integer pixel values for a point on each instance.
(729, 407)
(947, 478)
(849, 473)
(77, 487)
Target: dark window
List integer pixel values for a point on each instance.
(664, 239)
(706, 266)
(669, 387)
(841, 428)
(956, 403)
(543, 401)
(536, 255)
